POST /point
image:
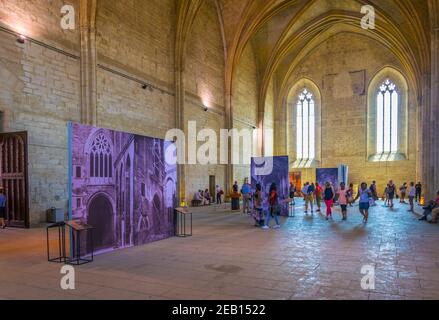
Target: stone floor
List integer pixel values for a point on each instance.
(228, 258)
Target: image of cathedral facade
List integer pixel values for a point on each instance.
(122, 186)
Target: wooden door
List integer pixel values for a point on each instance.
(212, 187)
(296, 180)
(14, 177)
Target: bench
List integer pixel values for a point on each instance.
(196, 203)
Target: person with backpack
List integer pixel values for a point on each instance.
(391, 188)
(328, 197)
(273, 207)
(403, 191)
(310, 197)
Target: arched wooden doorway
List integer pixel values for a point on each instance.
(100, 216)
(13, 177)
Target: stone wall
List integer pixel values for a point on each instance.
(40, 93)
(344, 108)
(245, 104)
(204, 87)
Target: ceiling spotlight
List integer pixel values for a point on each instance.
(21, 39)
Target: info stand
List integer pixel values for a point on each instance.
(78, 228)
(62, 258)
(180, 222)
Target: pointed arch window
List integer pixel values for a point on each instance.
(387, 118)
(305, 135)
(100, 158)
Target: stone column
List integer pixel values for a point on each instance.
(430, 130)
(87, 17)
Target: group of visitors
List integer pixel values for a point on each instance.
(315, 193)
(203, 197)
(263, 220)
(412, 192)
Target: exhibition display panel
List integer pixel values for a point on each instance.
(121, 185)
(269, 170)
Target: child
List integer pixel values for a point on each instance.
(2, 208)
(343, 200)
(273, 202)
(364, 194)
(412, 194)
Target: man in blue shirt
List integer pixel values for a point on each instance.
(246, 196)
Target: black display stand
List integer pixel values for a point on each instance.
(289, 202)
(77, 228)
(62, 258)
(180, 222)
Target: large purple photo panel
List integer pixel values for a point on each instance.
(262, 172)
(122, 186)
(327, 175)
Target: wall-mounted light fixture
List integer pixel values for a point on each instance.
(21, 39)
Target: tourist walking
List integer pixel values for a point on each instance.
(328, 196)
(318, 195)
(273, 208)
(219, 193)
(391, 188)
(402, 192)
(386, 196)
(2, 208)
(246, 196)
(364, 195)
(412, 195)
(292, 193)
(343, 201)
(350, 194)
(373, 190)
(418, 188)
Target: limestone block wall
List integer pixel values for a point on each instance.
(245, 103)
(337, 67)
(204, 87)
(40, 93)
